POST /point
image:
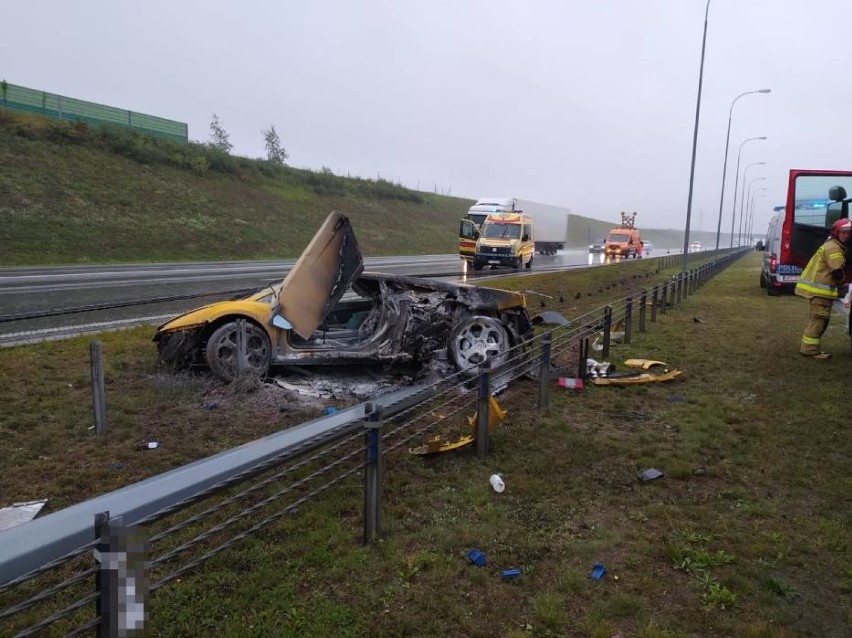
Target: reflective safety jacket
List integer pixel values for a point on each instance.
(815, 280)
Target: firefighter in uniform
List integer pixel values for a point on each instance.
(819, 282)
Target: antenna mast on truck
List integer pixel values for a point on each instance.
(628, 220)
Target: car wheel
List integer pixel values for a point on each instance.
(762, 279)
(221, 351)
(477, 265)
(529, 263)
(478, 339)
(771, 290)
(519, 261)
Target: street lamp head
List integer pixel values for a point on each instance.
(761, 138)
(765, 91)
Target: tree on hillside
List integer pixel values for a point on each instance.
(274, 151)
(219, 138)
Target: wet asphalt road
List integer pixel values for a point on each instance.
(180, 287)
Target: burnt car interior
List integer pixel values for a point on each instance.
(342, 326)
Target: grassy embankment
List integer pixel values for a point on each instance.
(747, 535)
(74, 194)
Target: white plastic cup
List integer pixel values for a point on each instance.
(497, 483)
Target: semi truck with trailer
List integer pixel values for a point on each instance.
(551, 223)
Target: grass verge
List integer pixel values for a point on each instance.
(747, 534)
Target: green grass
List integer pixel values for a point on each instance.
(747, 534)
(70, 193)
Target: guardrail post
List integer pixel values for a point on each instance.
(544, 373)
(664, 298)
(607, 329)
(643, 304)
(482, 410)
(372, 472)
(628, 320)
(654, 302)
(96, 357)
(583, 359)
(120, 581)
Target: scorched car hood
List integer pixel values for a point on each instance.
(321, 275)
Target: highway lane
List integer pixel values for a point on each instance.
(28, 290)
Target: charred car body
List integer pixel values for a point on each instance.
(328, 311)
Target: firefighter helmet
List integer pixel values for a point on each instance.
(839, 226)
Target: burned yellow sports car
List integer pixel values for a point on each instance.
(328, 311)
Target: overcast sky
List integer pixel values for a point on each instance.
(584, 104)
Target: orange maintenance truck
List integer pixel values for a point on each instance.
(624, 240)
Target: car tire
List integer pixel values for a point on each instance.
(762, 279)
(529, 263)
(477, 265)
(771, 290)
(221, 351)
(475, 340)
(519, 261)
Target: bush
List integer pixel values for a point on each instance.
(199, 164)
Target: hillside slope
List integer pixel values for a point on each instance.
(70, 194)
(74, 194)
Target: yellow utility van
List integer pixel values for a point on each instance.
(506, 239)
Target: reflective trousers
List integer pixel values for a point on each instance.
(817, 323)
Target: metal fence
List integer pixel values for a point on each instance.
(21, 98)
(98, 566)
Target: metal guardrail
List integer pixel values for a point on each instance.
(159, 529)
(27, 547)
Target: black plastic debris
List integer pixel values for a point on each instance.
(551, 317)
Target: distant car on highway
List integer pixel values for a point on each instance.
(597, 247)
(695, 247)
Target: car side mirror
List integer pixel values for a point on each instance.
(280, 322)
(837, 193)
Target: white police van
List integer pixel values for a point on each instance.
(775, 275)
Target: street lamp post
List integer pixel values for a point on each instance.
(750, 224)
(747, 190)
(725, 163)
(736, 184)
(685, 264)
